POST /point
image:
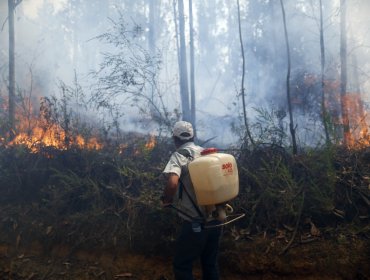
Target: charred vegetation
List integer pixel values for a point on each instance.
(107, 200)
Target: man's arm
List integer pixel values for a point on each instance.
(171, 188)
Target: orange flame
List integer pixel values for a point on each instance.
(357, 120)
(151, 143)
(354, 118)
(34, 132)
(53, 137)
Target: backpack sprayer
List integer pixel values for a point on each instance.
(216, 181)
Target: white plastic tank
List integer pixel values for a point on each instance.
(215, 177)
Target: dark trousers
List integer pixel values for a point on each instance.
(193, 245)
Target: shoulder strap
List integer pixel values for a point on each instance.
(187, 154)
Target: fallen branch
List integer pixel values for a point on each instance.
(296, 226)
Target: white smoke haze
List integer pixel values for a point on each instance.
(31, 7)
(56, 39)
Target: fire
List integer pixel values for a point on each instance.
(53, 137)
(36, 131)
(151, 143)
(358, 135)
(355, 116)
(36, 138)
(148, 146)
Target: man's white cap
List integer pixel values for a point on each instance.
(183, 130)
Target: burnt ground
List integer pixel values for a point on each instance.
(344, 256)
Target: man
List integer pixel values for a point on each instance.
(194, 240)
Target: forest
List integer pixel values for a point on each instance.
(90, 91)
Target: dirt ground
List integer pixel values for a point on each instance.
(253, 258)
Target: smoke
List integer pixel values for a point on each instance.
(55, 39)
(31, 7)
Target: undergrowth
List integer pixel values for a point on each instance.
(109, 199)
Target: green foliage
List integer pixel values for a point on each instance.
(127, 76)
(273, 182)
(273, 187)
(75, 190)
(67, 115)
(269, 127)
(21, 173)
(81, 192)
(109, 198)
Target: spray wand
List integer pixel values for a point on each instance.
(224, 222)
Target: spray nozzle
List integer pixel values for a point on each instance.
(222, 210)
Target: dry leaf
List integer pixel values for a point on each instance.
(18, 241)
(280, 234)
(235, 234)
(48, 230)
(314, 230)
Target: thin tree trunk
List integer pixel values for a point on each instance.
(73, 25)
(243, 77)
(176, 33)
(152, 26)
(184, 88)
(343, 73)
(151, 35)
(323, 101)
(11, 7)
(192, 81)
(291, 122)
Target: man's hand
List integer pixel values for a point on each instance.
(170, 189)
(166, 202)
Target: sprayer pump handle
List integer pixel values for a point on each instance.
(209, 151)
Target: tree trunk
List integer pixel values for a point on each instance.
(323, 101)
(291, 122)
(343, 73)
(192, 80)
(152, 26)
(184, 89)
(176, 33)
(11, 7)
(243, 77)
(151, 36)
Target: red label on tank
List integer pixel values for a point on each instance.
(227, 168)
